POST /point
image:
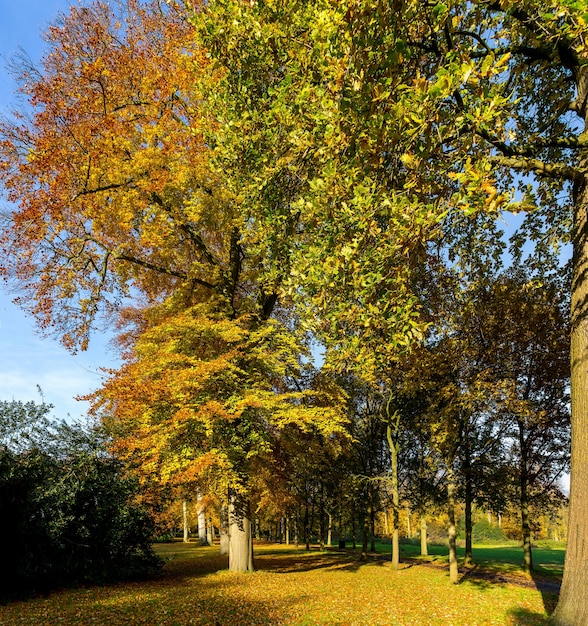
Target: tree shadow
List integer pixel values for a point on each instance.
(523, 617)
(313, 562)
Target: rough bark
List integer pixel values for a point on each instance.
(240, 533)
(572, 608)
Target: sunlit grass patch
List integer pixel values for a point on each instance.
(291, 587)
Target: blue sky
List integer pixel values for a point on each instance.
(26, 359)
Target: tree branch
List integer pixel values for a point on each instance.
(163, 270)
(194, 237)
(548, 170)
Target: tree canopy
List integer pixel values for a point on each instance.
(258, 175)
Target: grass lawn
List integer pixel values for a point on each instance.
(548, 557)
(290, 587)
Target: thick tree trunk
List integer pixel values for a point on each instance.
(185, 520)
(572, 608)
(452, 530)
(424, 549)
(240, 533)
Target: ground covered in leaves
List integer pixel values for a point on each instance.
(290, 587)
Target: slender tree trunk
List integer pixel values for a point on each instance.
(210, 532)
(306, 527)
(524, 483)
(393, 445)
(224, 530)
(372, 522)
(201, 523)
(408, 525)
(185, 520)
(365, 531)
(424, 549)
(452, 530)
(330, 530)
(469, 497)
(240, 533)
(572, 608)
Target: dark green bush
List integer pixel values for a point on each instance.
(67, 515)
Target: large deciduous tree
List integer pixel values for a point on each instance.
(108, 171)
(369, 123)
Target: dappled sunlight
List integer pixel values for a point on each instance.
(289, 587)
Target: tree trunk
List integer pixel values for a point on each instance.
(524, 500)
(372, 522)
(210, 532)
(287, 530)
(572, 608)
(201, 523)
(452, 530)
(306, 527)
(365, 531)
(408, 525)
(224, 530)
(240, 533)
(393, 445)
(469, 496)
(424, 549)
(330, 530)
(185, 520)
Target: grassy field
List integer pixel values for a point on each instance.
(298, 587)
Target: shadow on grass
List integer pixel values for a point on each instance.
(524, 617)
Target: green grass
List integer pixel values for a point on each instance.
(291, 587)
(548, 557)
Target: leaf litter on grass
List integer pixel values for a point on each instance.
(289, 588)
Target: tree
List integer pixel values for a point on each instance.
(420, 111)
(531, 368)
(114, 195)
(201, 400)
